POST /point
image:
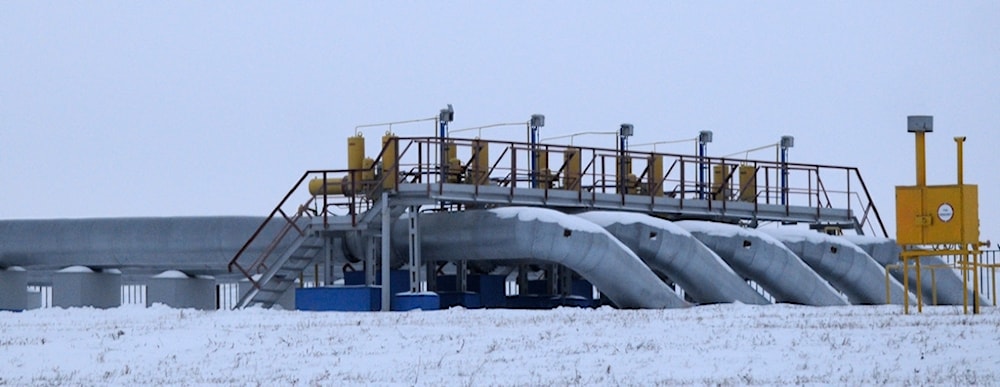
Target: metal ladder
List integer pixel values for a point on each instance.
(283, 272)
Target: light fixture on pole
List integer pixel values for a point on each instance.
(624, 164)
(537, 121)
(704, 137)
(786, 143)
(446, 116)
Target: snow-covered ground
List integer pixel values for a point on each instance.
(718, 344)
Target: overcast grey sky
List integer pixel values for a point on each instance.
(215, 108)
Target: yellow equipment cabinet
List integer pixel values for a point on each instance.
(938, 214)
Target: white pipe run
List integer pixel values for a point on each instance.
(517, 233)
(674, 252)
(767, 261)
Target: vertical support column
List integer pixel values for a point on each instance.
(461, 276)
(921, 159)
(386, 253)
(565, 281)
(430, 270)
(920, 298)
(327, 261)
(959, 141)
(551, 279)
(975, 279)
(414, 243)
(522, 279)
(371, 252)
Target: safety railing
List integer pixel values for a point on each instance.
(589, 171)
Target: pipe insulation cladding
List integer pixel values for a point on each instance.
(197, 245)
(847, 267)
(674, 252)
(521, 233)
(767, 261)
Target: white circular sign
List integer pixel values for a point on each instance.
(945, 212)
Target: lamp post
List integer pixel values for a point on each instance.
(786, 143)
(446, 116)
(537, 121)
(624, 132)
(704, 137)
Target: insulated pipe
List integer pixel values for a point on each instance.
(847, 267)
(547, 235)
(196, 245)
(673, 251)
(945, 281)
(767, 261)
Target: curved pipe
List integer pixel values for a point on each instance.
(847, 267)
(757, 256)
(948, 285)
(673, 251)
(198, 245)
(547, 235)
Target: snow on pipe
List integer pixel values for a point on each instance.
(674, 252)
(847, 267)
(948, 284)
(767, 261)
(198, 245)
(547, 235)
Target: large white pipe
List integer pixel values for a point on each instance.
(767, 261)
(674, 252)
(201, 245)
(521, 233)
(847, 267)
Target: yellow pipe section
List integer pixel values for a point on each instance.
(921, 160)
(959, 141)
(622, 173)
(656, 175)
(480, 163)
(389, 161)
(544, 173)
(572, 174)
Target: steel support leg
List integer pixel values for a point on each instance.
(371, 253)
(386, 254)
(414, 241)
(461, 275)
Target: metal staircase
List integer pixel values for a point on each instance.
(281, 275)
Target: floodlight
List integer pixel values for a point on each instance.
(626, 130)
(537, 120)
(920, 124)
(705, 136)
(787, 141)
(447, 114)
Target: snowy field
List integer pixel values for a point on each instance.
(719, 344)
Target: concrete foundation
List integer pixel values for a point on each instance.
(13, 289)
(79, 286)
(178, 290)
